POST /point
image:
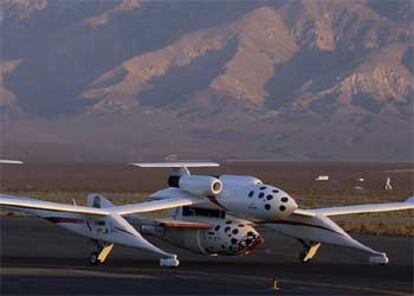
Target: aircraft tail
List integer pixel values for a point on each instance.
(98, 201)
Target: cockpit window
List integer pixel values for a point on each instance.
(269, 197)
(251, 193)
(284, 199)
(261, 195)
(263, 188)
(275, 191)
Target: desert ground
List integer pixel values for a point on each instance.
(57, 262)
(122, 183)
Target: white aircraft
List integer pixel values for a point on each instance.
(210, 216)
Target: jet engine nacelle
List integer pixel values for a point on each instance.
(198, 185)
(240, 180)
(230, 238)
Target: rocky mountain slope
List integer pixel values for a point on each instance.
(254, 77)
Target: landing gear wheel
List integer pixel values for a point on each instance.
(102, 252)
(93, 258)
(169, 261)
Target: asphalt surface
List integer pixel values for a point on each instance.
(40, 258)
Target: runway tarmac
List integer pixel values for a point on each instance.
(40, 258)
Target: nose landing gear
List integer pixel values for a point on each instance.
(101, 254)
(311, 248)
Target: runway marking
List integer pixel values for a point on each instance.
(64, 272)
(296, 282)
(128, 273)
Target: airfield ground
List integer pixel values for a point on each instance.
(40, 258)
(127, 184)
(296, 177)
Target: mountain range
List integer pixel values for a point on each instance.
(128, 79)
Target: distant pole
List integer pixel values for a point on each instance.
(388, 184)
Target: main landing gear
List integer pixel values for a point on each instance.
(380, 259)
(100, 255)
(169, 261)
(311, 248)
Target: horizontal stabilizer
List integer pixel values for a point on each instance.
(181, 164)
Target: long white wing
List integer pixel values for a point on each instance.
(307, 213)
(18, 202)
(368, 208)
(22, 203)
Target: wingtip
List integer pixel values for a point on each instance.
(410, 199)
(8, 161)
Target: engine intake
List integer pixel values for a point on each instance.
(198, 185)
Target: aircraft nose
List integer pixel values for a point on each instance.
(287, 205)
